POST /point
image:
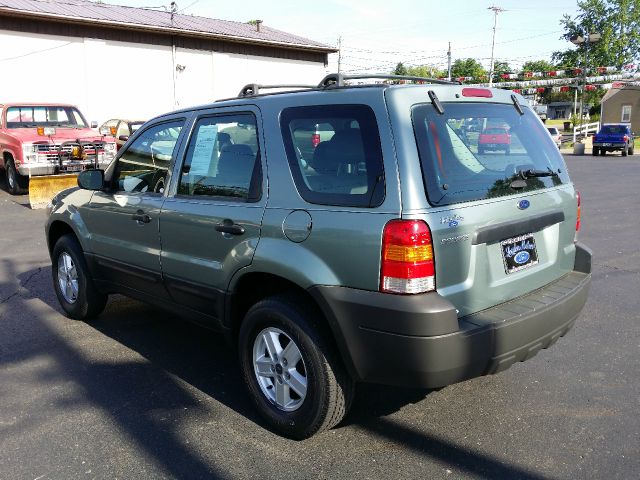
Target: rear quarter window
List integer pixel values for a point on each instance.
(334, 154)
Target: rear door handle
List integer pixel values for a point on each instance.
(141, 217)
(227, 226)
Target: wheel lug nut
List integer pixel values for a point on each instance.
(287, 376)
(284, 362)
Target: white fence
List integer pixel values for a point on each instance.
(584, 129)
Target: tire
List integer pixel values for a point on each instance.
(625, 150)
(603, 152)
(596, 151)
(75, 290)
(480, 151)
(294, 331)
(507, 151)
(631, 150)
(16, 183)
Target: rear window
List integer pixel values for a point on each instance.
(614, 129)
(335, 154)
(462, 162)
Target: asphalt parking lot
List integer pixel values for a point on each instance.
(140, 394)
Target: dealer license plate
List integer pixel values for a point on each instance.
(73, 168)
(519, 253)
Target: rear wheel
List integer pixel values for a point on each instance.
(16, 183)
(596, 151)
(603, 152)
(625, 150)
(292, 372)
(631, 149)
(74, 287)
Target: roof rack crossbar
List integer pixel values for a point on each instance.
(252, 89)
(338, 79)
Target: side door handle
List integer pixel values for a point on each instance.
(227, 226)
(141, 217)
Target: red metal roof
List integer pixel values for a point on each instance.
(158, 20)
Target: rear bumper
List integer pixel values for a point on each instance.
(610, 145)
(419, 341)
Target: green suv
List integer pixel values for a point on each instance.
(336, 234)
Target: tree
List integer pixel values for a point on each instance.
(400, 69)
(500, 68)
(467, 67)
(538, 66)
(618, 21)
(429, 71)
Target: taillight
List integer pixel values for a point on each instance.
(315, 139)
(626, 138)
(577, 215)
(407, 258)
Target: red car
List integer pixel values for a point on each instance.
(494, 138)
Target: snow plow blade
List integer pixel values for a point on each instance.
(43, 188)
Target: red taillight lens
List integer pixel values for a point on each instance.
(407, 258)
(578, 213)
(315, 139)
(626, 138)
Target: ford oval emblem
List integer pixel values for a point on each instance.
(523, 204)
(521, 257)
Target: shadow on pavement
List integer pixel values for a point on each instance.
(133, 393)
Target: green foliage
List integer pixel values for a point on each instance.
(499, 68)
(618, 21)
(538, 66)
(428, 71)
(467, 67)
(400, 69)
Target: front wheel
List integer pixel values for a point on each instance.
(74, 287)
(292, 372)
(15, 181)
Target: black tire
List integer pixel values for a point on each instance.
(631, 149)
(596, 151)
(329, 390)
(16, 184)
(603, 152)
(625, 150)
(89, 302)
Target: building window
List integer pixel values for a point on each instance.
(626, 114)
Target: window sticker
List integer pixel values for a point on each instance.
(203, 150)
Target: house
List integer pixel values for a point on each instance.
(116, 61)
(556, 110)
(621, 104)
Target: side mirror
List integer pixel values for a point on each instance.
(94, 124)
(91, 179)
(124, 138)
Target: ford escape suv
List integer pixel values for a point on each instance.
(336, 234)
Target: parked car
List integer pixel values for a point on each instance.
(494, 138)
(556, 135)
(120, 129)
(391, 254)
(38, 139)
(613, 137)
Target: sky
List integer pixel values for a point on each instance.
(377, 34)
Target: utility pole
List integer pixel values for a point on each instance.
(496, 11)
(339, 52)
(449, 63)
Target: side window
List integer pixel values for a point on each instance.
(143, 167)
(334, 154)
(626, 114)
(222, 159)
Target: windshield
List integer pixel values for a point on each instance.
(44, 116)
(476, 151)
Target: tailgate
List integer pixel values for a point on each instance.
(478, 248)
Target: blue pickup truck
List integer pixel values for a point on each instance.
(613, 137)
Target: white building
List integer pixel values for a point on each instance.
(123, 62)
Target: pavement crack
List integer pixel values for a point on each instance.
(21, 287)
(613, 267)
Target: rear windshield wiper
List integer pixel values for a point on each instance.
(531, 173)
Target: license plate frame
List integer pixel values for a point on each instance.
(519, 253)
(76, 167)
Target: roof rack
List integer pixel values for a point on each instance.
(337, 79)
(252, 89)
